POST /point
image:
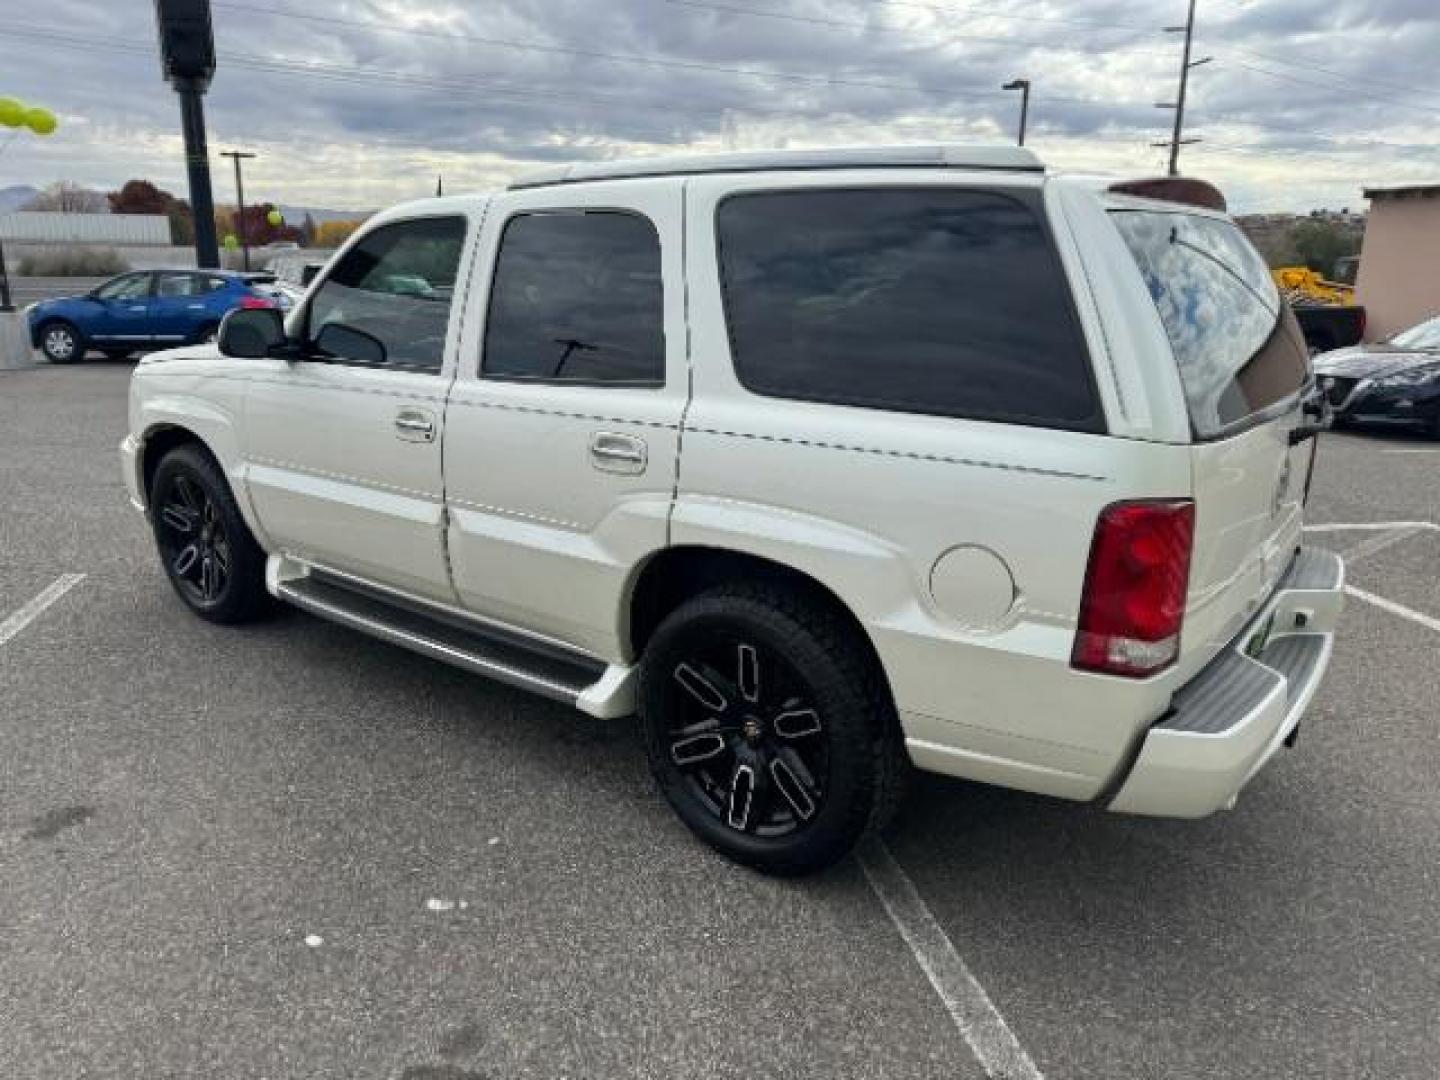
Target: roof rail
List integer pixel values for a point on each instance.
(1007, 158)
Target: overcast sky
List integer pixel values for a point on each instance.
(359, 103)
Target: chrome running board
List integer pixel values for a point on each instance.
(560, 674)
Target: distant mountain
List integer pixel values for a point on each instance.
(13, 198)
(295, 215)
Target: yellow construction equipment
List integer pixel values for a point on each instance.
(1301, 285)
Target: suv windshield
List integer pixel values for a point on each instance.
(1236, 342)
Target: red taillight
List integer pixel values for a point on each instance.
(1134, 600)
(251, 302)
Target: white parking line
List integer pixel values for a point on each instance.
(1428, 621)
(32, 609)
(1370, 526)
(981, 1025)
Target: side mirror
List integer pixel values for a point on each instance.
(252, 333)
(337, 339)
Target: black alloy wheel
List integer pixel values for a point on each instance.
(192, 540)
(207, 550)
(769, 727)
(746, 735)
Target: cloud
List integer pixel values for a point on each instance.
(362, 102)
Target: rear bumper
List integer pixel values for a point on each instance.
(1227, 722)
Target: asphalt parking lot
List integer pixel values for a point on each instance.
(288, 851)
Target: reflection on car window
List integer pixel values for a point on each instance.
(396, 285)
(939, 301)
(130, 287)
(178, 285)
(577, 298)
(1425, 335)
(1236, 342)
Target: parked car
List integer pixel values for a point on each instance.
(825, 463)
(1394, 383)
(141, 309)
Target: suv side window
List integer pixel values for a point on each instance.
(577, 298)
(944, 301)
(129, 287)
(171, 285)
(394, 287)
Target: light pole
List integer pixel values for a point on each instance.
(187, 60)
(1186, 66)
(1023, 85)
(238, 156)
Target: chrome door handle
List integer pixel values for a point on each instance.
(613, 451)
(415, 425)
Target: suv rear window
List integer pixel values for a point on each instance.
(936, 300)
(1235, 340)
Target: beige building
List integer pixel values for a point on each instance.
(1399, 281)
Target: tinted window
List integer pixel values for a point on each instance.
(179, 284)
(929, 301)
(129, 287)
(577, 298)
(396, 285)
(1235, 340)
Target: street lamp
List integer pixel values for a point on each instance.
(1023, 85)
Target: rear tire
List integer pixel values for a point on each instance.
(207, 550)
(61, 343)
(769, 728)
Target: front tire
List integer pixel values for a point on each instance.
(207, 550)
(61, 343)
(769, 729)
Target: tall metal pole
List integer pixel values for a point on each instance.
(197, 169)
(1023, 85)
(237, 156)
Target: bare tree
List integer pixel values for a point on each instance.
(68, 197)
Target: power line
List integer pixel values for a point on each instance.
(988, 13)
(564, 50)
(854, 24)
(1380, 98)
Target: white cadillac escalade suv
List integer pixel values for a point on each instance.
(823, 463)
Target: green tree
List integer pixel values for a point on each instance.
(1319, 244)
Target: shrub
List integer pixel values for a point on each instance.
(73, 262)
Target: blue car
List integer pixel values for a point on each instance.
(145, 309)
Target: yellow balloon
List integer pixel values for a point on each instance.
(275, 217)
(230, 242)
(41, 121)
(12, 112)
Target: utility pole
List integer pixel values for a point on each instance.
(1023, 85)
(238, 156)
(1186, 66)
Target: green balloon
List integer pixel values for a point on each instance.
(274, 217)
(230, 242)
(41, 121)
(12, 112)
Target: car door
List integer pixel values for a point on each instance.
(120, 310)
(563, 424)
(342, 446)
(181, 304)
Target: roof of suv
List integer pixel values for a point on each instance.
(1006, 158)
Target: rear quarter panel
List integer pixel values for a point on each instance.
(867, 501)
